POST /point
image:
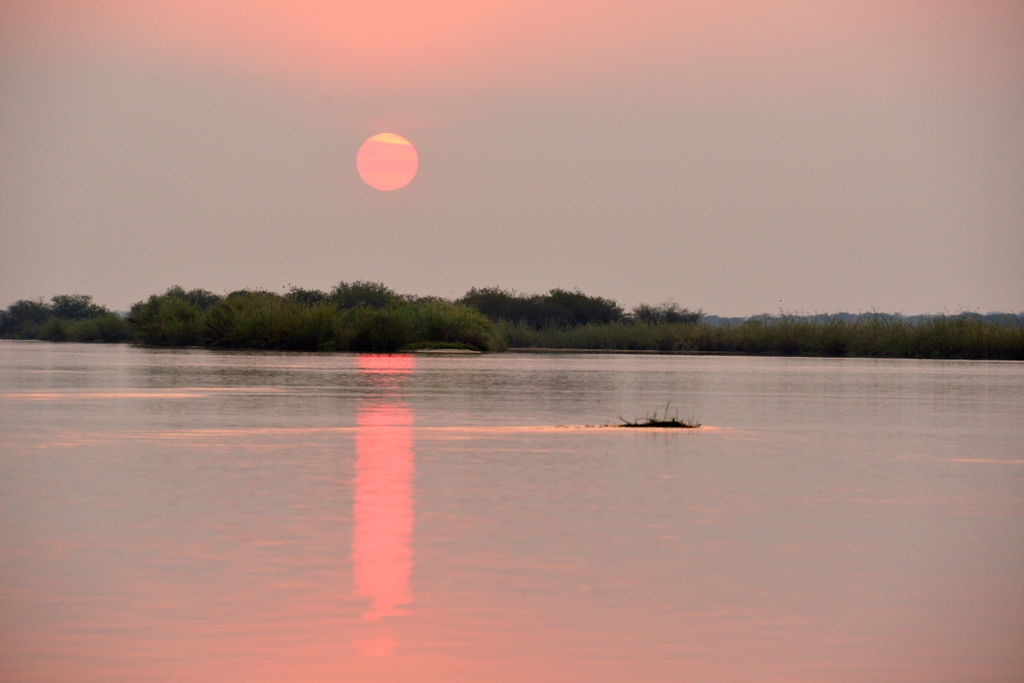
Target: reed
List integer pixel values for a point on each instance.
(104, 328)
(664, 337)
(878, 336)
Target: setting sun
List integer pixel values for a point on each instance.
(697, 353)
(387, 161)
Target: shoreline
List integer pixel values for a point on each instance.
(519, 350)
(370, 318)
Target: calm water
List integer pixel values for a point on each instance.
(187, 515)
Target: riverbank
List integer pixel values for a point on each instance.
(369, 317)
(265, 320)
(871, 336)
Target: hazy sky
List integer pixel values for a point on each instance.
(736, 156)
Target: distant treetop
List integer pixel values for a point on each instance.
(363, 293)
(557, 308)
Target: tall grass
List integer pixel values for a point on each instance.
(106, 327)
(878, 336)
(617, 336)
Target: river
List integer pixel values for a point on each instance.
(173, 515)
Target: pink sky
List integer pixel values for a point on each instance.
(793, 154)
(415, 47)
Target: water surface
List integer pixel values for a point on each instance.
(191, 515)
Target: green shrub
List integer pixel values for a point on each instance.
(557, 308)
(263, 320)
(437, 321)
(75, 307)
(307, 328)
(23, 318)
(105, 328)
(363, 294)
(202, 299)
(668, 312)
(54, 329)
(165, 321)
(31, 319)
(378, 331)
(245, 319)
(307, 297)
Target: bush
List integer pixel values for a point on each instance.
(245, 319)
(54, 329)
(201, 299)
(75, 307)
(442, 322)
(366, 294)
(106, 328)
(166, 320)
(23, 318)
(307, 297)
(301, 320)
(68, 317)
(668, 312)
(557, 308)
(370, 330)
(263, 320)
(308, 328)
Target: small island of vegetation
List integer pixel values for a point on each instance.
(370, 317)
(663, 422)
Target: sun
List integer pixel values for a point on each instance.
(387, 162)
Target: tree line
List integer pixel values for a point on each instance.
(370, 317)
(558, 308)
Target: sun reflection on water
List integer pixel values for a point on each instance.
(383, 500)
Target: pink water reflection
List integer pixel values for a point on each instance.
(382, 512)
(388, 366)
(383, 500)
(210, 539)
